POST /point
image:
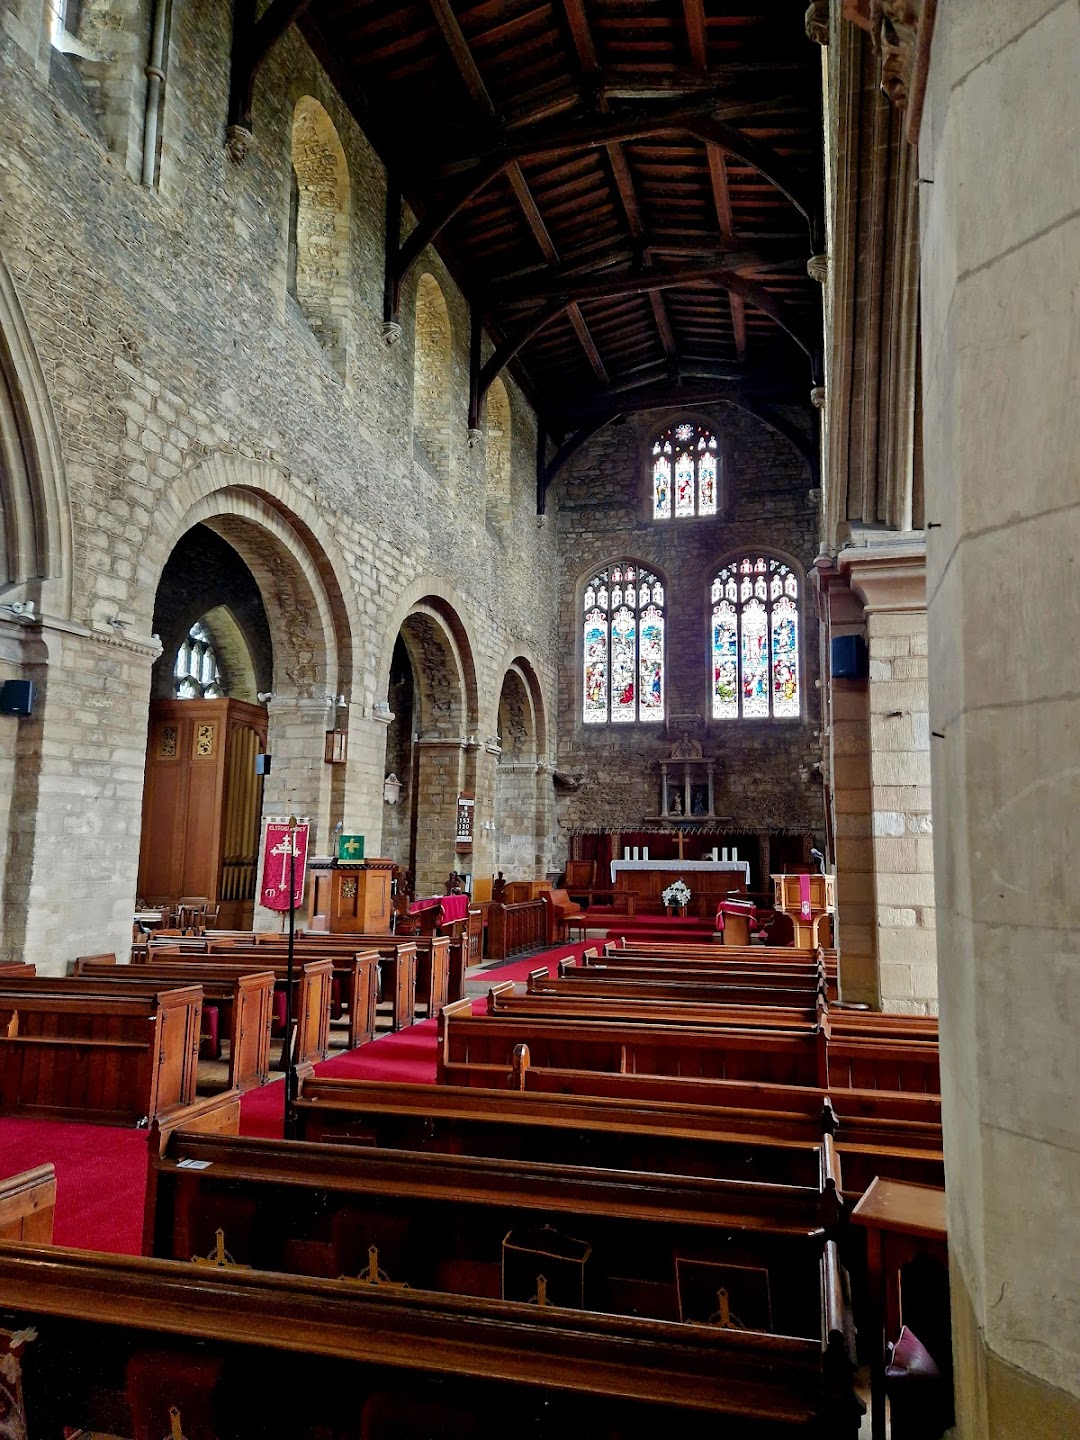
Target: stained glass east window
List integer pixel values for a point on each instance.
(623, 632)
(755, 640)
(685, 463)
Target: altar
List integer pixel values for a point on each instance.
(709, 881)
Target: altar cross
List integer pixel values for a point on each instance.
(682, 836)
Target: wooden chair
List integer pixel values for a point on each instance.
(580, 883)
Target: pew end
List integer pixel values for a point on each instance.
(28, 1206)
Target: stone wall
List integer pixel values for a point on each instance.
(1001, 360)
(604, 514)
(188, 387)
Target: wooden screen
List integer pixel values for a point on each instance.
(202, 804)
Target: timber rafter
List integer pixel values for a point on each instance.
(627, 195)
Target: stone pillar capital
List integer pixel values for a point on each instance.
(887, 572)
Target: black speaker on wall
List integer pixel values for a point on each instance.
(17, 697)
(262, 764)
(850, 660)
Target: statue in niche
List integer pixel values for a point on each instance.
(685, 748)
(700, 804)
(676, 803)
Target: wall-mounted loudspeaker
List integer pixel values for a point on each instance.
(17, 697)
(262, 764)
(849, 658)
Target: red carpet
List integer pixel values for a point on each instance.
(100, 1178)
(101, 1170)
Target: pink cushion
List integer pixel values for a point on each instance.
(910, 1358)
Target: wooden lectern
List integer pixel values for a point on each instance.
(805, 899)
(357, 899)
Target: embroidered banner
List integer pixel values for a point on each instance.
(278, 847)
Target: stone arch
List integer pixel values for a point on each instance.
(35, 513)
(311, 614)
(450, 613)
(522, 800)
(438, 759)
(497, 456)
(319, 208)
(431, 376)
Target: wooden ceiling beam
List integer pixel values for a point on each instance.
(588, 344)
(458, 46)
(694, 16)
(598, 283)
(252, 40)
(578, 24)
(721, 193)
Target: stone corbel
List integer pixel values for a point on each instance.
(901, 31)
(888, 574)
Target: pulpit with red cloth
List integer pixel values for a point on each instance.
(737, 920)
(805, 899)
(443, 914)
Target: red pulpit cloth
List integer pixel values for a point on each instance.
(276, 860)
(454, 907)
(736, 907)
(805, 912)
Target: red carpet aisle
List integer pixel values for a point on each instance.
(100, 1178)
(101, 1170)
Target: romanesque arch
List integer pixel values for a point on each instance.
(318, 262)
(431, 376)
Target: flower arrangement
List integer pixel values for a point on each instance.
(677, 893)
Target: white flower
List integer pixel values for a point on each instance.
(678, 893)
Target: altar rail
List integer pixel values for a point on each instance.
(517, 929)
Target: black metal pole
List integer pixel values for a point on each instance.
(289, 1048)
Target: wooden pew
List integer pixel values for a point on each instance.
(246, 994)
(28, 1206)
(504, 1000)
(311, 981)
(451, 1222)
(122, 1055)
(479, 1050)
(294, 1355)
(355, 969)
(634, 985)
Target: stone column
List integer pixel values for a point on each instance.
(847, 721)
(888, 573)
(365, 772)
(440, 781)
(1001, 351)
(76, 794)
(300, 782)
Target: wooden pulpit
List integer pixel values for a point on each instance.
(359, 898)
(805, 899)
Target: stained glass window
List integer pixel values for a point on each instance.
(196, 670)
(685, 472)
(623, 631)
(755, 640)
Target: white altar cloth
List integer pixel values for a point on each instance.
(714, 865)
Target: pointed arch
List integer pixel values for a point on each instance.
(35, 513)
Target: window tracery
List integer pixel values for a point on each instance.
(623, 630)
(685, 471)
(196, 672)
(755, 640)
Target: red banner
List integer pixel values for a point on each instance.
(278, 848)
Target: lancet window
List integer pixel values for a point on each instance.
(623, 629)
(755, 640)
(196, 672)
